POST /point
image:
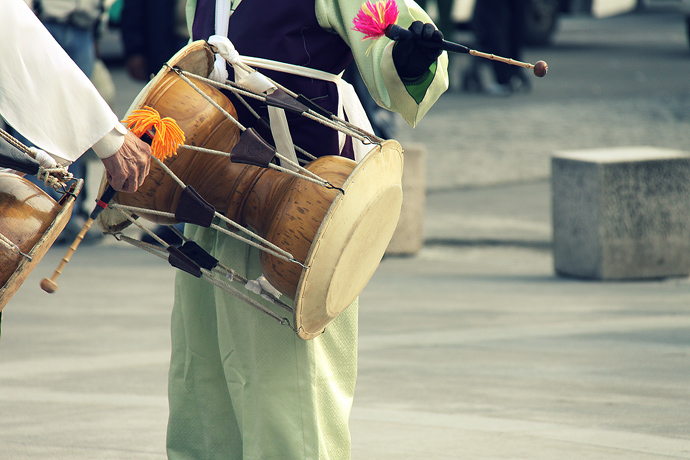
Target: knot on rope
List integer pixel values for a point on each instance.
(50, 172)
(225, 48)
(225, 52)
(166, 134)
(54, 177)
(219, 74)
(262, 287)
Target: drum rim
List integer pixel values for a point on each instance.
(24, 268)
(178, 60)
(114, 222)
(390, 152)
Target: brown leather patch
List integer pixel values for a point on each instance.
(252, 150)
(283, 100)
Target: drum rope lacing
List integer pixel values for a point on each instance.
(302, 171)
(222, 46)
(227, 272)
(49, 176)
(52, 174)
(257, 116)
(208, 275)
(311, 177)
(272, 249)
(268, 246)
(333, 122)
(13, 247)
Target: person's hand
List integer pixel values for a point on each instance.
(414, 54)
(129, 166)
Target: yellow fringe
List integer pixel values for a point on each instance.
(167, 134)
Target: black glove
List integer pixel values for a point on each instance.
(413, 53)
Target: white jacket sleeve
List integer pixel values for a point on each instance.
(45, 96)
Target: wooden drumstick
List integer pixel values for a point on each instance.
(395, 32)
(539, 69)
(49, 284)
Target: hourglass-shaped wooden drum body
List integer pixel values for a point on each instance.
(339, 237)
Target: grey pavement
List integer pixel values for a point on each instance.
(471, 349)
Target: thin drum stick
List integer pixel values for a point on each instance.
(395, 32)
(49, 284)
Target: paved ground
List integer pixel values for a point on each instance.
(472, 349)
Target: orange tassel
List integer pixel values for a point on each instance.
(167, 134)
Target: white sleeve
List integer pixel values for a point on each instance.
(44, 95)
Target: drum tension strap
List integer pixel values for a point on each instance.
(191, 258)
(314, 106)
(179, 259)
(195, 252)
(252, 150)
(193, 209)
(283, 100)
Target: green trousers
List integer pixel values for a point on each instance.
(243, 386)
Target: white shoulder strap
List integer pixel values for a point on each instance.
(349, 105)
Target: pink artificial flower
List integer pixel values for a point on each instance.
(372, 19)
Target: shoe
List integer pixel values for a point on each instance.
(519, 83)
(472, 81)
(498, 90)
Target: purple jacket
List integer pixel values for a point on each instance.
(286, 31)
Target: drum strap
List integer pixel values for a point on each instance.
(193, 209)
(257, 83)
(180, 260)
(349, 105)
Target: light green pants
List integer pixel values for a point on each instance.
(242, 386)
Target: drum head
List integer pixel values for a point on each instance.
(32, 220)
(351, 240)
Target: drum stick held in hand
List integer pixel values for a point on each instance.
(49, 284)
(395, 32)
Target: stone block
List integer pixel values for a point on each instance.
(621, 213)
(408, 238)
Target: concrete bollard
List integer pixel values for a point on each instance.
(621, 213)
(408, 238)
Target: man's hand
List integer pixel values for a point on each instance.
(129, 166)
(413, 55)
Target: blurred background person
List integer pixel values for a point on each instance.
(443, 19)
(498, 26)
(152, 32)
